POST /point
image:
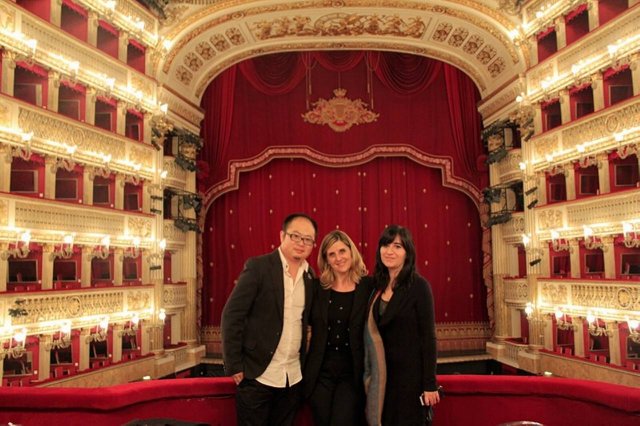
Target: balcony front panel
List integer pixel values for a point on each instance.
(512, 231)
(516, 291)
(509, 167)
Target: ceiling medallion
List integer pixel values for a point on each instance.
(340, 113)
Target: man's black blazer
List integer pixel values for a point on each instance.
(319, 333)
(252, 317)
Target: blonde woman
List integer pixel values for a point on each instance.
(335, 363)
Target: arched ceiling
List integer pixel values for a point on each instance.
(204, 37)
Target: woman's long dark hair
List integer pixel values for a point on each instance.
(408, 271)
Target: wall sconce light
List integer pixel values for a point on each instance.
(631, 237)
(594, 327)
(592, 242)
(21, 247)
(65, 250)
(133, 252)
(132, 327)
(561, 323)
(557, 243)
(102, 251)
(162, 315)
(66, 163)
(15, 352)
(528, 310)
(64, 337)
(634, 333)
(101, 331)
(24, 151)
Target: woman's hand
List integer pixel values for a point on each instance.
(431, 398)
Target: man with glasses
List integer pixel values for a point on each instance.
(263, 323)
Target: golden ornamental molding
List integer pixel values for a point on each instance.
(340, 113)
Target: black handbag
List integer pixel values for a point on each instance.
(428, 409)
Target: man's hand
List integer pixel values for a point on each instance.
(238, 377)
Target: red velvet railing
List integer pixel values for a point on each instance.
(476, 400)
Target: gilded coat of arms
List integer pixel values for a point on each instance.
(340, 113)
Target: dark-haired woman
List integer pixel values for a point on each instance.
(335, 361)
(400, 337)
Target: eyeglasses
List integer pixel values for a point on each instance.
(296, 238)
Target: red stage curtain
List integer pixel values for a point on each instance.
(428, 116)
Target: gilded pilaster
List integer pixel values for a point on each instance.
(570, 181)
(56, 12)
(578, 336)
(533, 50)
(537, 118)
(574, 257)
(85, 348)
(47, 266)
(44, 357)
(561, 32)
(3, 268)
(189, 273)
(565, 106)
(90, 106)
(635, 73)
(123, 46)
(608, 253)
(604, 181)
(53, 91)
(119, 191)
(6, 159)
(146, 127)
(88, 177)
(121, 119)
(117, 343)
(92, 28)
(118, 258)
(598, 91)
(8, 72)
(615, 355)
(594, 14)
(50, 170)
(87, 255)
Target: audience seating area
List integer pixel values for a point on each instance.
(477, 400)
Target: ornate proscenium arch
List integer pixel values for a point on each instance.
(464, 33)
(444, 163)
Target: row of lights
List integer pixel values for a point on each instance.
(592, 320)
(63, 339)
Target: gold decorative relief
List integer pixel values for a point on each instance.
(458, 37)
(138, 301)
(142, 155)
(554, 294)
(193, 62)
(550, 219)
(140, 227)
(473, 44)
(340, 113)
(442, 31)
(235, 36)
(220, 43)
(5, 114)
(205, 50)
(486, 54)
(337, 24)
(496, 67)
(7, 18)
(4, 212)
(183, 75)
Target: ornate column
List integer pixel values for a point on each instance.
(85, 348)
(533, 49)
(146, 127)
(604, 184)
(578, 336)
(3, 270)
(44, 357)
(598, 91)
(594, 15)
(118, 259)
(145, 334)
(537, 118)
(88, 177)
(609, 255)
(189, 268)
(570, 181)
(635, 71)
(6, 159)
(92, 28)
(56, 12)
(615, 355)
(50, 169)
(90, 106)
(87, 255)
(47, 266)
(53, 91)
(574, 257)
(118, 332)
(565, 106)
(123, 46)
(561, 32)
(548, 332)
(8, 72)
(121, 117)
(119, 191)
